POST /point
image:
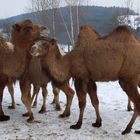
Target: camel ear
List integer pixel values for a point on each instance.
(16, 27)
(53, 41)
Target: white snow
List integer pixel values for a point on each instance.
(113, 102)
(131, 20)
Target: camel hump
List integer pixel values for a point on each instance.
(88, 28)
(122, 28)
(85, 27)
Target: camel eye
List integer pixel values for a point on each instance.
(28, 29)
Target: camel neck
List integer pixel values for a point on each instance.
(56, 65)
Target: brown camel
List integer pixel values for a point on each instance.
(19, 39)
(129, 107)
(6, 47)
(119, 50)
(40, 79)
(89, 33)
(16, 63)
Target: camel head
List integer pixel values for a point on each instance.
(25, 31)
(42, 47)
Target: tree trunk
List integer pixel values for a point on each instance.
(71, 23)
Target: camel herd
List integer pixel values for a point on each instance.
(37, 60)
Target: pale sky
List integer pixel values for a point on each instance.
(10, 8)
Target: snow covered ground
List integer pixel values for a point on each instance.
(113, 102)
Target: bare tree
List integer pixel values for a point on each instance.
(71, 3)
(74, 3)
(7, 29)
(54, 5)
(40, 8)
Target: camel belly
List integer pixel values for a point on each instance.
(104, 68)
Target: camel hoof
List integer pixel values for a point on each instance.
(25, 114)
(4, 118)
(137, 131)
(30, 120)
(97, 124)
(11, 107)
(53, 102)
(58, 108)
(129, 109)
(34, 106)
(42, 111)
(64, 115)
(76, 126)
(126, 131)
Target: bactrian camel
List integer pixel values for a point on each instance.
(119, 50)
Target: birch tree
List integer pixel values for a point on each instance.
(41, 6)
(53, 5)
(71, 4)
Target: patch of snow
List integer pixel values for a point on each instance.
(131, 20)
(113, 102)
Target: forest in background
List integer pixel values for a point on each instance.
(103, 19)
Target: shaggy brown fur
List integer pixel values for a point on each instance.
(10, 86)
(119, 50)
(40, 79)
(129, 107)
(15, 64)
(36, 78)
(5, 49)
(88, 34)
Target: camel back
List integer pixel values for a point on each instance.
(121, 33)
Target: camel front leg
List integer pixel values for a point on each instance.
(26, 98)
(81, 94)
(11, 91)
(69, 94)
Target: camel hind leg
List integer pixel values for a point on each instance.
(69, 95)
(129, 107)
(131, 90)
(44, 94)
(92, 91)
(36, 89)
(11, 91)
